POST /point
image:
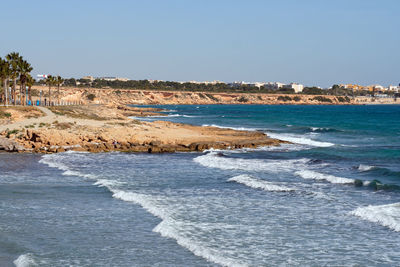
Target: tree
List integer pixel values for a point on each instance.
(4, 76)
(29, 82)
(24, 69)
(50, 80)
(13, 59)
(59, 82)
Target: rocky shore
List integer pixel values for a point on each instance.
(149, 97)
(95, 128)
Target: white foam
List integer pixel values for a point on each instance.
(50, 160)
(25, 260)
(259, 184)
(108, 183)
(307, 174)
(299, 140)
(364, 168)
(233, 128)
(170, 228)
(212, 160)
(386, 215)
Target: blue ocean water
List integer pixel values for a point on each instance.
(332, 198)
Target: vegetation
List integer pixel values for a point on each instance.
(91, 97)
(243, 99)
(343, 99)
(11, 132)
(4, 115)
(14, 69)
(322, 99)
(210, 96)
(296, 98)
(284, 98)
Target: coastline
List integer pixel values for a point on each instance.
(150, 97)
(98, 128)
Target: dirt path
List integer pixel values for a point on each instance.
(48, 118)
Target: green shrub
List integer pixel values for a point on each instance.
(91, 97)
(322, 99)
(210, 96)
(296, 98)
(4, 114)
(242, 99)
(284, 98)
(11, 132)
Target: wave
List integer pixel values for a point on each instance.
(386, 215)
(259, 184)
(50, 160)
(299, 140)
(323, 129)
(212, 160)
(25, 260)
(307, 174)
(170, 228)
(364, 168)
(233, 128)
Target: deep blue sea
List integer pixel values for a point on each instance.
(332, 198)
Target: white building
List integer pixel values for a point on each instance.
(394, 88)
(274, 85)
(298, 88)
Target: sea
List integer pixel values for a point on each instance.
(331, 198)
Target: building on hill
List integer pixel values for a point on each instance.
(298, 88)
(274, 85)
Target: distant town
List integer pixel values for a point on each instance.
(114, 82)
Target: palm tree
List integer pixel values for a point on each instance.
(24, 68)
(59, 81)
(50, 81)
(13, 59)
(29, 83)
(4, 76)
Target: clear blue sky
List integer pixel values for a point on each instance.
(315, 42)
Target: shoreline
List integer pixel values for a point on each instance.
(95, 128)
(110, 96)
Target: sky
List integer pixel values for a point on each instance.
(313, 42)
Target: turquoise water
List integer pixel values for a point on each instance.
(331, 198)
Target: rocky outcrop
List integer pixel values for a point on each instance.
(11, 145)
(60, 140)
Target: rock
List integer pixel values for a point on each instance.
(10, 145)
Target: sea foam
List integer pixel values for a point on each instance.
(365, 168)
(53, 162)
(386, 215)
(25, 260)
(307, 174)
(299, 140)
(258, 183)
(212, 160)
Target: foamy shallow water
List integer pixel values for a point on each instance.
(296, 205)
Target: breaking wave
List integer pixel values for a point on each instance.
(212, 160)
(386, 215)
(307, 174)
(299, 140)
(259, 184)
(167, 228)
(233, 128)
(53, 161)
(364, 168)
(25, 260)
